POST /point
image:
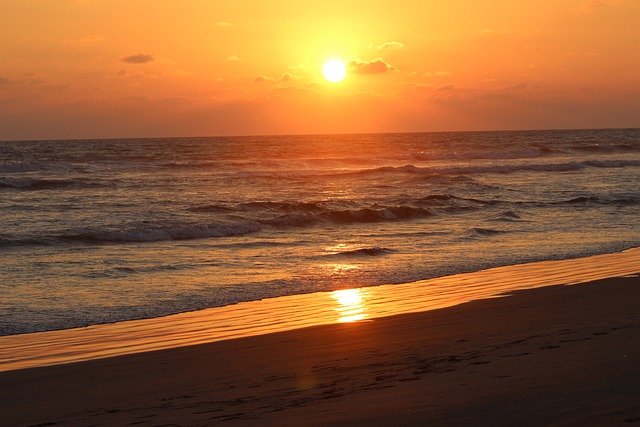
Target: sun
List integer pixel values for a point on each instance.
(334, 70)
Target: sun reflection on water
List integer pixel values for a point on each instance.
(351, 305)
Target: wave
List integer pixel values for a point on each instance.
(284, 206)
(478, 231)
(425, 156)
(577, 200)
(585, 200)
(611, 163)
(12, 167)
(121, 272)
(240, 220)
(162, 233)
(451, 201)
(424, 172)
(281, 166)
(292, 220)
(349, 216)
(528, 153)
(183, 164)
(41, 184)
(138, 235)
(500, 169)
(363, 252)
(297, 214)
(604, 148)
(211, 208)
(508, 216)
(146, 234)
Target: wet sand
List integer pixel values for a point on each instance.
(299, 311)
(555, 355)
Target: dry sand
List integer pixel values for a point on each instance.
(557, 355)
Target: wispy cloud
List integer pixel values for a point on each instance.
(285, 77)
(386, 45)
(437, 74)
(261, 79)
(591, 6)
(91, 38)
(376, 66)
(140, 58)
(234, 58)
(223, 24)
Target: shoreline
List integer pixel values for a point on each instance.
(563, 355)
(301, 311)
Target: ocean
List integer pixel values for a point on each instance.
(99, 231)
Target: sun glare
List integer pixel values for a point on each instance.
(351, 305)
(334, 70)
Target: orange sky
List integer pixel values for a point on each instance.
(125, 68)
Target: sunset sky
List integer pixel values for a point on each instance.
(147, 68)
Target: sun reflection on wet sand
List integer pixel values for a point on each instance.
(351, 304)
(300, 311)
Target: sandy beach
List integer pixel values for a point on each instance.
(556, 355)
(345, 214)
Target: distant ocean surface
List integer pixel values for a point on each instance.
(95, 231)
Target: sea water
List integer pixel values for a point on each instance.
(96, 231)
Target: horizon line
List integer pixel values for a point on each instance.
(315, 134)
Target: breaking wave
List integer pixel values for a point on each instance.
(363, 252)
(508, 216)
(502, 169)
(478, 231)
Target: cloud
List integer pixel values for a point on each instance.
(91, 38)
(376, 66)
(516, 87)
(437, 74)
(141, 74)
(590, 6)
(223, 24)
(446, 88)
(285, 77)
(234, 58)
(3, 81)
(387, 45)
(261, 79)
(300, 68)
(140, 58)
